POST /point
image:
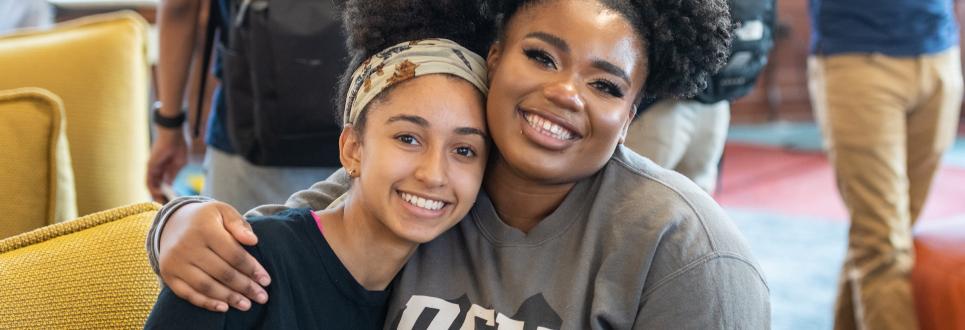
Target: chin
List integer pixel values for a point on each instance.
(420, 237)
(419, 232)
(552, 170)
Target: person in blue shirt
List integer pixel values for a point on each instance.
(886, 86)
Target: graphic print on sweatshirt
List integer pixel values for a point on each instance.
(431, 313)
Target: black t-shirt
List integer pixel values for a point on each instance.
(310, 287)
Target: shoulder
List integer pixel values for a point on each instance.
(716, 292)
(648, 192)
(686, 224)
(173, 312)
(281, 233)
(285, 222)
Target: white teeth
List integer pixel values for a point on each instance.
(547, 127)
(427, 204)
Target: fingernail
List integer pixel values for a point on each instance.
(221, 307)
(261, 298)
(263, 279)
(244, 304)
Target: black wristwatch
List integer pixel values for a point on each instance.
(166, 122)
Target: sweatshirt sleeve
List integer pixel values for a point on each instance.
(719, 291)
(316, 197)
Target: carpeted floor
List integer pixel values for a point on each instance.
(777, 186)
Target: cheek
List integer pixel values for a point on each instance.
(466, 179)
(609, 123)
(506, 85)
(381, 164)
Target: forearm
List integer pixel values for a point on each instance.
(316, 197)
(177, 22)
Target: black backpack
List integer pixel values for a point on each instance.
(281, 65)
(753, 40)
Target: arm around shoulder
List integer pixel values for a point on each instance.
(316, 197)
(160, 219)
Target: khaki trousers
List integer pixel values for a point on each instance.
(683, 135)
(886, 122)
(232, 179)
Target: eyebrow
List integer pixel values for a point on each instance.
(409, 118)
(425, 124)
(563, 46)
(550, 39)
(612, 69)
(471, 131)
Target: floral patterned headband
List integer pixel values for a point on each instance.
(408, 60)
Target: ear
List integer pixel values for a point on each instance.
(626, 126)
(492, 59)
(350, 148)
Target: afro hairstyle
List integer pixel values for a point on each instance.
(687, 41)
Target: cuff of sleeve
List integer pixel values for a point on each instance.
(160, 219)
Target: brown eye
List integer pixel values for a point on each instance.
(540, 57)
(465, 152)
(608, 87)
(407, 139)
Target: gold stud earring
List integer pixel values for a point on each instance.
(351, 172)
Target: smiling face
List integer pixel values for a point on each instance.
(564, 78)
(421, 156)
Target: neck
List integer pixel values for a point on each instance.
(369, 250)
(522, 202)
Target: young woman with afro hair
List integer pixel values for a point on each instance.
(572, 230)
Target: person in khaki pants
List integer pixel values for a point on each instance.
(886, 88)
(686, 136)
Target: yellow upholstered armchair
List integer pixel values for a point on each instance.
(97, 66)
(37, 189)
(88, 273)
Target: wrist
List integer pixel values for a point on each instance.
(169, 120)
(163, 218)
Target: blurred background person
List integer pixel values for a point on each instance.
(688, 135)
(886, 88)
(278, 72)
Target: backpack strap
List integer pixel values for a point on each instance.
(214, 18)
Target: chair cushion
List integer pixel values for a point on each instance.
(98, 66)
(38, 188)
(88, 273)
(938, 278)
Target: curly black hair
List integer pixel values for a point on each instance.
(372, 26)
(687, 41)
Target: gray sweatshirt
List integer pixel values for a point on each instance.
(634, 246)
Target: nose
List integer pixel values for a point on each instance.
(565, 95)
(432, 169)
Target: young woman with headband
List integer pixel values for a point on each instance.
(572, 230)
(416, 161)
